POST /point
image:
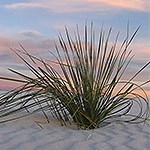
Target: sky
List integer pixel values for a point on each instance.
(36, 24)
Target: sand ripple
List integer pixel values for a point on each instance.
(25, 134)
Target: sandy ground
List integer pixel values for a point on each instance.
(26, 134)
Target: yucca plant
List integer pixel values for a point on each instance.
(84, 88)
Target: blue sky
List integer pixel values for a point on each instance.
(35, 24)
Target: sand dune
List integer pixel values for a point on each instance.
(25, 134)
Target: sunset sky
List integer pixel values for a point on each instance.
(35, 24)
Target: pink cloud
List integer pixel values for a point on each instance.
(141, 51)
(82, 6)
(7, 85)
(32, 40)
(140, 5)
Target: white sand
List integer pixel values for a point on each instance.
(25, 134)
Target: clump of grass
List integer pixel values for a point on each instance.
(84, 88)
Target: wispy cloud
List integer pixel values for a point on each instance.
(31, 33)
(6, 85)
(30, 38)
(81, 6)
(24, 5)
(57, 6)
(130, 4)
